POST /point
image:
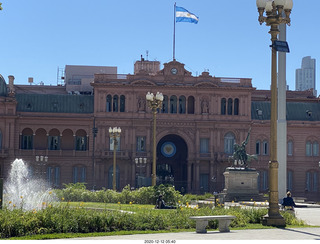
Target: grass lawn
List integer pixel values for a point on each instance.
(140, 210)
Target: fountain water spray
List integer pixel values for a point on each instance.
(23, 191)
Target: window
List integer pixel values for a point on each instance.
(204, 183)
(312, 181)
(112, 144)
(236, 106)
(308, 148)
(223, 106)
(182, 105)
(265, 148)
(53, 174)
(0, 139)
(79, 174)
(228, 143)
(204, 145)
(263, 180)
(290, 148)
(81, 143)
(312, 149)
(258, 147)
(230, 106)
(315, 148)
(109, 102)
(122, 103)
(191, 105)
(54, 142)
(164, 104)
(173, 104)
(141, 144)
(27, 142)
(115, 103)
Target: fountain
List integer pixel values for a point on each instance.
(22, 191)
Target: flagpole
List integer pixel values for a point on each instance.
(174, 32)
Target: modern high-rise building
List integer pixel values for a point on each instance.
(306, 75)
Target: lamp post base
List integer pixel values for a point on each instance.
(277, 221)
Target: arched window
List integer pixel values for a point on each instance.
(109, 102)
(165, 104)
(236, 106)
(26, 139)
(182, 105)
(258, 145)
(230, 106)
(290, 148)
(223, 106)
(315, 148)
(265, 148)
(308, 148)
(122, 103)
(81, 140)
(115, 103)
(54, 140)
(229, 140)
(173, 104)
(190, 105)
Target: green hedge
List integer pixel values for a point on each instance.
(65, 219)
(144, 195)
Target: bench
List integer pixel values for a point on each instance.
(202, 222)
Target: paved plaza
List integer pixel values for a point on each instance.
(310, 214)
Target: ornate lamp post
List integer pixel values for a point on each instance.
(114, 134)
(274, 10)
(154, 102)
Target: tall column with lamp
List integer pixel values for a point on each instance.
(154, 102)
(114, 134)
(274, 10)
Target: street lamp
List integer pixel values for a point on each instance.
(114, 134)
(140, 163)
(154, 102)
(275, 10)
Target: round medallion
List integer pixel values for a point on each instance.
(174, 71)
(168, 149)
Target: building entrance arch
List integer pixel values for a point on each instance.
(172, 154)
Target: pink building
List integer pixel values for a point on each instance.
(200, 120)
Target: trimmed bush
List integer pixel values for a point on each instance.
(144, 195)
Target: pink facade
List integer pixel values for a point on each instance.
(200, 120)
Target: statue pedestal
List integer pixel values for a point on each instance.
(241, 184)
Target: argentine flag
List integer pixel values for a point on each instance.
(183, 15)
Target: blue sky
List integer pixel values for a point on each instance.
(38, 36)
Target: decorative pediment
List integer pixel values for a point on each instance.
(174, 69)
